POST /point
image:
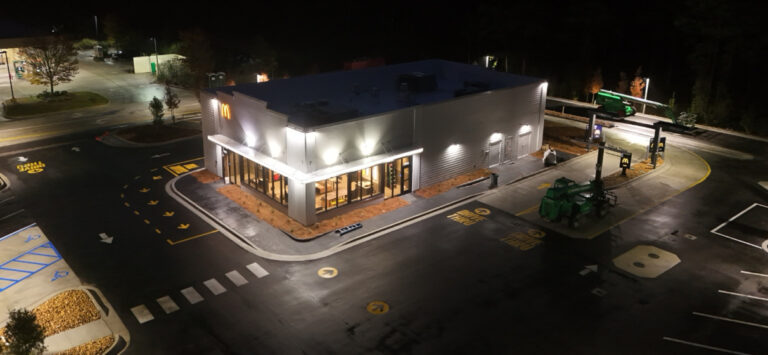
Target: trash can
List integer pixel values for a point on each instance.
(494, 181)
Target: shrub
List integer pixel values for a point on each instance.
(85, 43)
(48, 96)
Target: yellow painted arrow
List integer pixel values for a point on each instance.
(146, 221)
(183, 226)
(153, 169)
(152, 202)
(157, 230)
(543, 186)
(136, 212)
(125, 186)
(127, 204)
(157, 177)
(168, 214)
(145, 189)
(122, 195)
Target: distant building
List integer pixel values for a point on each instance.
(149, 64)
(14, 36)
(315, 144)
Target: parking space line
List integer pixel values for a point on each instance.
(753, 273)
(166, 302)
(192, 295)
(743, 295)
(257, 270)
(715, 230)
(703, 346)
(731, 320)
(215, 287)
(236, 278)
(142, 314)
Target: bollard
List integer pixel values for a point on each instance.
(494, 181)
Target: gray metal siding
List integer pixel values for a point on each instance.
(208, 122)
(469, 121)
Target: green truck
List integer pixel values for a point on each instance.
(620, 105)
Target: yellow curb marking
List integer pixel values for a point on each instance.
(527, 210)
(377, 307)
(327, 272)
(190, 238)
(543, 186)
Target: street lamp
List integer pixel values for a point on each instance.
(8, 67)
(645, 96)
(157, 57)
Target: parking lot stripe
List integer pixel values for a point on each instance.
(191, 295)
(743, 295)
(753, 273)
(167, 304)
(215, 287)
(236, 278)
(704, 346)
(731, 320)
(142, 314)
(257, 270)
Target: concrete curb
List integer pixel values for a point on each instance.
(4, 182)
(233, 235)
(113, 321)
(664, 167)
(541, 171)
(124, 143)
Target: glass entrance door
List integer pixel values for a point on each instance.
(398, 177)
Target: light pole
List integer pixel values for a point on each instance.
(8, 67)
(157, 57)
(645, 96)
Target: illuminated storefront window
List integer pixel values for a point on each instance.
(390, 179)
(241, 171)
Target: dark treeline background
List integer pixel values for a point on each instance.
(707, 54)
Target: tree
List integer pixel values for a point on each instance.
(196, 48)
(53, 61)
(156, 109)
(595, 83)
(638, 84)
(23, 333)
(171, 100)
(623, 84)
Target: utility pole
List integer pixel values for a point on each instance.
(10, 80)
(645, 95)
(157, 57)
(655, 143)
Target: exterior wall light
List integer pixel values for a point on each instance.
(367, 148)
(495, 137)
(250, 140)
(330, 156)
(454, 148)
(274, 149)
(525, 128)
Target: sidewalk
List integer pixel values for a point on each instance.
(270, 240)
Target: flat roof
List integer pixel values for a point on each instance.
(327, 98)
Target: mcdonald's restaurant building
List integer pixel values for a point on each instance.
(316, 145)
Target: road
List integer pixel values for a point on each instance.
(129, 95)
(449, 287)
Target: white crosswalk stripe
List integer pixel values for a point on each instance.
(215, 287)
(167, 304)
(142, 314)
(191, 295)
(257, 270)
(236, 278)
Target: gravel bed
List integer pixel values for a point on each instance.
(98, 346)
(67, 310)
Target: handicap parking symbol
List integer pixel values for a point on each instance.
(32, 237)
(59, 274)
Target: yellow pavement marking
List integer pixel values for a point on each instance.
(31, 168)
(153, 170)
(327, 272)
(125, 186)
(524, 241)
(543, 186)
(709, 171)
(157, 230)
(136, 212)
(527, 210)
(146, 221)
(145, 189)
(157, 177)
(42, 134)
(482, 211)
(122, 195)
(466, 217)
(127, 204)
(177, 166)
(190, 166)
(377, 307)
(152, 202)
(183, 226)
(171, 242)
(168, 214)
(137, 177)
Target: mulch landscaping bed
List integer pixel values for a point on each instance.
(560, 137)
(205, 176)
(155, 133)
(638, 169)
(443, 186)
(281, 221)
(98, 346)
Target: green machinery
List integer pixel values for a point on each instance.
(620, 105)
(573, 201)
